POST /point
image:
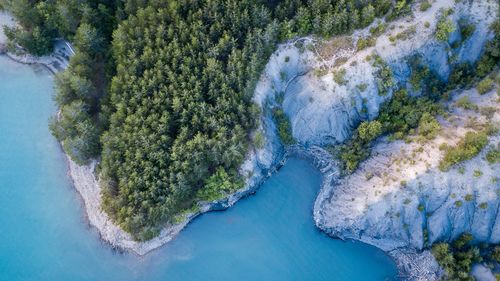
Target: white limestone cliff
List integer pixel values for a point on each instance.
(407, 194)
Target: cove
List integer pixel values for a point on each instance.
(44, 235)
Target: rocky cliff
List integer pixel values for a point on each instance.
(398, 200)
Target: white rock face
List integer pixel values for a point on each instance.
(322, 111)
(399, 192)
(406, 202)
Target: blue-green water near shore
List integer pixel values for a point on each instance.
(44, 235)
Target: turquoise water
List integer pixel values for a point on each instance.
(44, 235)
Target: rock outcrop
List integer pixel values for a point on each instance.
(406, 202)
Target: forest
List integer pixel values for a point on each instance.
(160, 91)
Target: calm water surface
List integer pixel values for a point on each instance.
(44, 235)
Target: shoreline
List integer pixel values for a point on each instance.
(84, 182)
(55, 62)
(87, 186)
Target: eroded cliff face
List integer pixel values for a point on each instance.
(398, 200)
(323, 111)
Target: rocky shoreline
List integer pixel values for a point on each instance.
(86, 184)
(55, 62)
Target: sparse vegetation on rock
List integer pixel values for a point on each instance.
(466, 149)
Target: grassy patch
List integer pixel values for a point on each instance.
(339, 76)
(493, 156)
(378, 29)
(465, 103)
(366, 42)
(425, 5)
(485, 86)
(466, 149)
(406, 34)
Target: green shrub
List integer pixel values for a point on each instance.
(457, 259)
(443, 29)
(491, 55)
(368, 131)
(403, 112)
(367, 15)
(339, 76)
(485, 86)
(218, 185)
(418, 75)
(466, 149)
(362, 87)
(421, 208)
(491, 129)
(428, 126)
(384, 76)
(462, 241)
(407, 33)
(465, 103)
(284, 126)
(495, 254)
(458, 203)
(398, 116)
(425, 80)
(462, 75)
(37, 41)
(469, 197)
(466, 29)
(401, 8)
(357, 148)
(477, 173)
(493, 156)
(365, 42)
(483, 205)
(75, 129)
(378, 29)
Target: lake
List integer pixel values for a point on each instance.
(45, 237)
